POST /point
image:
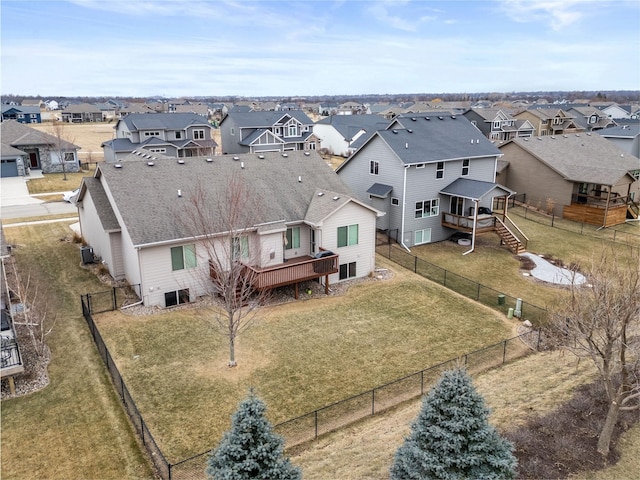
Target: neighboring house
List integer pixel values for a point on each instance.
(22, 114)
(11, 362)
(549, 120)
(129, 215)
(590, 118)
(497, 124)
(337, 133)
(82, 113)
(251, 132)
(431, 175)
(626, 137)
(169, 134)
(581, 177)
(613, 110)
(40, 150)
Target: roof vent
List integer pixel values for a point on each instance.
(453, 117)
(306, 154)
(241, 164)
(285, 155)
(117, 165)
(440, 118)
(260, 157)
(577, 134)
(565, 136)
(406, 145)
(588, 134)
(299, 179)
(336, 198)
(320, 194)
(540, 138)
(394, 131)
(410, 131)
(427, 118)
(236, 158)
(150, 163)
(413, 119)
(553, 137)
(209, 160)
(180, 162)
(179, 193)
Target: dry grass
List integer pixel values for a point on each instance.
(88, 136)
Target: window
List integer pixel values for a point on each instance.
(428, 208)
(151, 134)
(347, 236)
(183, 257)
(373, 167)
(293, 238)
(178, 135)
(593, 119)
(496, 124)
(465, 167)
(347, 270)
(158, 150)
(232, 131)
(69, 157)
(422, 236)
(395, 201)
(198, 134)
(176, 298)
(293, 130)
(239, 247)
(440, 170)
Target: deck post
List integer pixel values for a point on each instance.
(296, 290)
(326, 284)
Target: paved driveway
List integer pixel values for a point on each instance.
(15, 191)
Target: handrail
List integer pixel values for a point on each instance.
(526, 240)
(517, 228)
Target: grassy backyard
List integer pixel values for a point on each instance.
(299, 356)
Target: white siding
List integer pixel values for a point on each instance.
(93, 233)
(331, 139)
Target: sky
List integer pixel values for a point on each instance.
(170, 48)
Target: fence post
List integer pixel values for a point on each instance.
(478, 294)
(373, 402)
(422, 382)
(316, 423)
(553, 217)
(504, 351)
(89, 303)
(415, 264)
(445, 278)
(113, 296)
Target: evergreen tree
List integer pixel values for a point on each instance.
(451, 437)
(251, 449)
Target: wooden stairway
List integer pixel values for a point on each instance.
(633, 209)
(515, 244)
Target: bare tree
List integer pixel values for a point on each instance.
(61, 144)
(35, 314)
(601, 321)
(221, 222)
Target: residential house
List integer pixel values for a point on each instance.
(581, 177)
(22, 114)
(25, 148)
(11, 362)
(169, 134)
(590, 118)
(432, 176)
(129, 215)
(498, 124)
(337, 133)
(251, 132)
(82, 113)
(613, 110)
(626, 137)
(549, 120)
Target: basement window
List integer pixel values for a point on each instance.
(178, 297)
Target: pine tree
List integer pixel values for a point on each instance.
(451, 437)
(251, 449)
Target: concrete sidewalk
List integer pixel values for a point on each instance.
(548, 272)
(14, 191)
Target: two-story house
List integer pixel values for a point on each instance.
(498, 124)
(549, 120)
(432, 175)
(169, 134)
(590, 118)
(251, 132)
(22, 114)
(307, 225)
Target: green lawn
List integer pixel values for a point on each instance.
(299, 357)
(75, 428)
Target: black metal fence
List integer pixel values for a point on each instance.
(311, 425)
(469, 288)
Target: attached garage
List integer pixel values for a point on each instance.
(9, 168)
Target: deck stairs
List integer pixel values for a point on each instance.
(633, 209)
(517, 243)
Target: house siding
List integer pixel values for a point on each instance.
(94, 235)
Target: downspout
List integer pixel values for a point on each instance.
(404, 204)
(475, 222)
(606, 209)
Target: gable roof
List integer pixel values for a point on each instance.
(162, 121)
(146, 196)
(581, 157)
(20, 135)
(621, 131)
(350, 125)
(266, 119)
(428, 138)
(472, 189)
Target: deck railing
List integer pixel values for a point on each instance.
(299, 270)
(460, 222)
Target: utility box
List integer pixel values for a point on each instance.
(86, 254)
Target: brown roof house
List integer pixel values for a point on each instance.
(580, 176)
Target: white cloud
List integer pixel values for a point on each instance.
(557, 14)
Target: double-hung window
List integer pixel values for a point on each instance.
(427, 208)
(240, 247)
(373, 167)
(348, 235)
(198, 134)
(465, 167)
(293, 238)
(183, 257)
(440, 170)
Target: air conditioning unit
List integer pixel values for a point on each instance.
(86, 254)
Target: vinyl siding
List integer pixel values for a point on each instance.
(94, 234)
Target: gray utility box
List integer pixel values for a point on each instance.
(86, 253)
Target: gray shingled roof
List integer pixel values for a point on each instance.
(9, 151)
(20, 135)
(473, 189)
(147, 198)
(266, 119)
(349, 125)
(380, 190)
(621, 131)
(101, 201)
(433, 138)
(162, 121)
(581, 157)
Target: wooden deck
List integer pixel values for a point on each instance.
(294, 271)
(486, 223)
